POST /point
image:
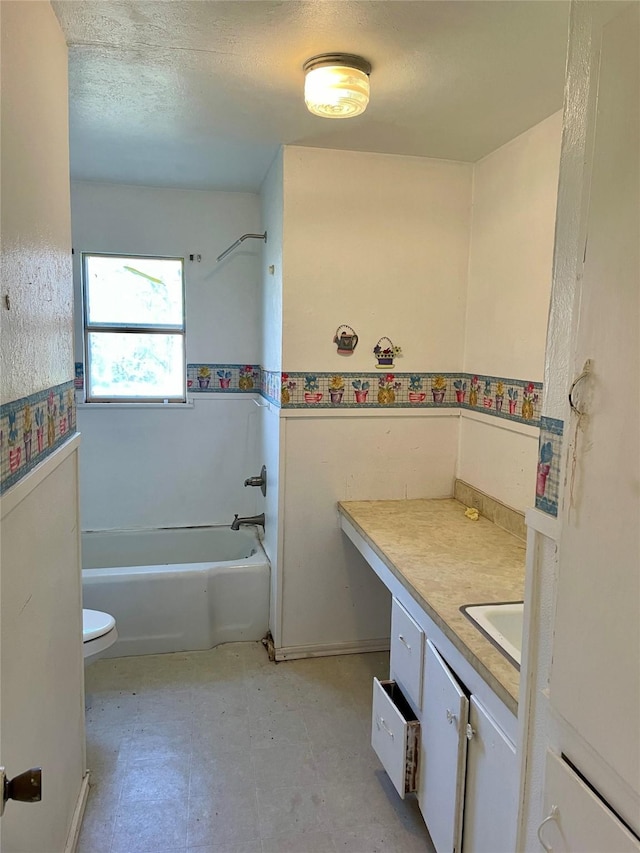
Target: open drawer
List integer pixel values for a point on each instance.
(395, 735)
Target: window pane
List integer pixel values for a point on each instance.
(134, 291)
(135, 365)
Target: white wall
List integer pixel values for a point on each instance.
(272, 455)
(36, 264)
(381, 243)
(515, 190)
(161, 468)
(510, 263)
(331, 597)
(499, 458)
(143, 466)
(222, 299)
(42, 675)
(272, 206)
(390, 246)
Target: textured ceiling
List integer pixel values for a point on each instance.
(201, 94)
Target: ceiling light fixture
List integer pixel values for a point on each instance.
(336, 85)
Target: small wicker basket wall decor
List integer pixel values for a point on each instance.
(385, 352)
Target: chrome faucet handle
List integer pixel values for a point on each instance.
(260, 480)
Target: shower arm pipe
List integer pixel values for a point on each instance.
(239, 240)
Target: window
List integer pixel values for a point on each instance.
(134, 341)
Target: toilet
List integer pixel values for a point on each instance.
(98, 634)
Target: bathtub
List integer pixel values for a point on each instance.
(177, 589)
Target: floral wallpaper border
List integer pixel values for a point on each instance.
(513, 399)
(33, 427)
(271, 386)
(208, 378)
(548, 470)
(221, 378)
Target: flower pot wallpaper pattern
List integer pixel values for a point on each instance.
(365, 390)
(407, 390)
(548, 468)
(33, 427)
(29, 432)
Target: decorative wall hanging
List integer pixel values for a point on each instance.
(385, 352)
(346, 340)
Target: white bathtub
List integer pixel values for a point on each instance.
(177, 589)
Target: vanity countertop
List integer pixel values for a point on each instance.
(445, 560)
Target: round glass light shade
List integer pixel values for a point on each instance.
(336, 91)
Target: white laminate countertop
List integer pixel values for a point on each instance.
(445, 560)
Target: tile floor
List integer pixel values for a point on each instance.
(225, 752)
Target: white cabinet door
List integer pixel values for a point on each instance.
(491, 794)
(583, 823)
(442, 753)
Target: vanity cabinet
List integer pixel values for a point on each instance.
(467, 772)
(468, 769)
(451, 697)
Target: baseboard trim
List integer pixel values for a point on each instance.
(326, 649)
(78, 814)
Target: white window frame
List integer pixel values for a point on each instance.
(120, 328)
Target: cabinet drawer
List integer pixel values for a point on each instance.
(407, 651)
(395, 735)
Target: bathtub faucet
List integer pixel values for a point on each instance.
(260, 480)
(251, 519)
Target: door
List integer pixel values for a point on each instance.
(42, 665)
(491, 790)
(442, 753)
(595, 679)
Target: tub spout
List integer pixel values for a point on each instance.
(250, 519)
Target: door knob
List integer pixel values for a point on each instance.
(26, 787)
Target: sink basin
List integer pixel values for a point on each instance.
(501, 623)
